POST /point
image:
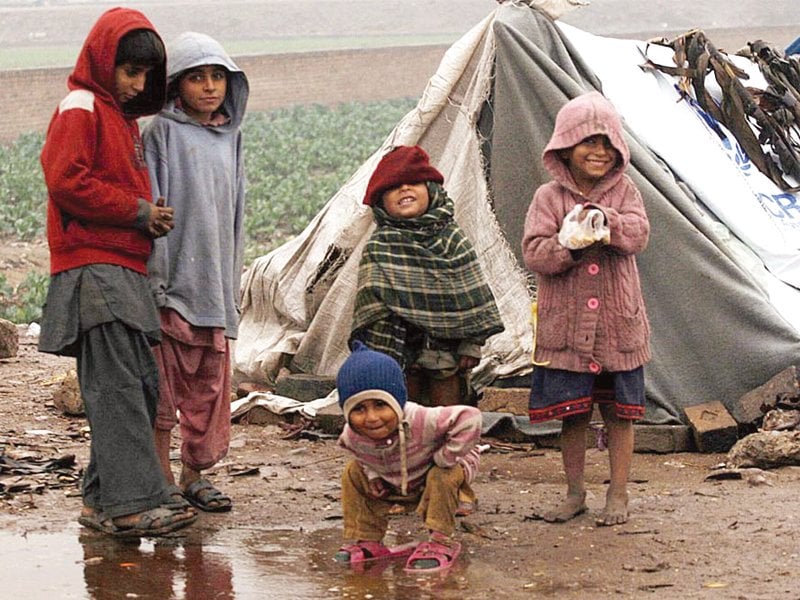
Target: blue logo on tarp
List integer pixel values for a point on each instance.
(784, 207)
(735, 151)
(780, 206)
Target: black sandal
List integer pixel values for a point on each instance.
(203, 495)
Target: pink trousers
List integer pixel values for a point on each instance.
(194, 389)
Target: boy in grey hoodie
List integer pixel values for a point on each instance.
(193, 149)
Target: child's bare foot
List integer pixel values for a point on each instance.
(88, 511)
(571, 507)
(615, 511)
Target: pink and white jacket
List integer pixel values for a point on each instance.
(443, 435)
(591, 313)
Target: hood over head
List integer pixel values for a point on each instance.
(190, 50)
(582, 117)
(95, 67)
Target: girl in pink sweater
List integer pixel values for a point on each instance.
(582, 232)
(403, 453)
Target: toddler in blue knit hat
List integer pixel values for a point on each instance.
(404, 453)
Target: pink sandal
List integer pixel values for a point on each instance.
(430, 557)
(367, 550)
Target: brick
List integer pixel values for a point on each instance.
(303, 386)
(648, 439)
(67, 398)
(245, 388)
(658, 439)
(748, 410)
(330, 419)
(505, 400)
(662, 439)
(9, 339)
(260, 415)
(713, 427)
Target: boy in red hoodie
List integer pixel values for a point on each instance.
(100, 225)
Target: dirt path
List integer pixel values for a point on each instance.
(687, 538)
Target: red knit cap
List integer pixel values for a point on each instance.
(404, 164)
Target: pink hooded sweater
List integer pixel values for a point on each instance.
(443, 435)
(591, 314)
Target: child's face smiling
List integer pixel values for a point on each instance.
(129, 81)
(202, 91)
(591, 160)
(406, 201)
(373, 418)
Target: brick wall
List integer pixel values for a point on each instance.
(29, 98)
(31, 95)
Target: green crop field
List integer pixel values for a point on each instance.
(295, 158)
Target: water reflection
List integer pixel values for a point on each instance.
(165, 569)
(213, 563)
(305, 560)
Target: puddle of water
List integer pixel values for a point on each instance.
(41, 565)
(229, 564)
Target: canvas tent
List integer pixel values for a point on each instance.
(719, 318)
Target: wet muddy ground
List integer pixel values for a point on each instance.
(688, 537)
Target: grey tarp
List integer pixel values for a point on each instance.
(715, 334)
(490, 109)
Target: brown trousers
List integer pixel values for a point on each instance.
(367, 518)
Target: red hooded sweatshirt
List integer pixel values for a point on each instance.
(92, 157)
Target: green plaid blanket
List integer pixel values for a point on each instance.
(421, 274)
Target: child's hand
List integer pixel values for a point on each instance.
(160, 221)
(378, 488)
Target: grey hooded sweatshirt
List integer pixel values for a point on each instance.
(199, 170)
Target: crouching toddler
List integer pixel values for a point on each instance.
(404, 453)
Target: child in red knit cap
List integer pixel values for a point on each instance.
(422, 297)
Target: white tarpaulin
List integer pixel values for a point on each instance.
(484, 118)
(704, 154)
(298, 300)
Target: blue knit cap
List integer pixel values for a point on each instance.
(367, 374)
(370, 374)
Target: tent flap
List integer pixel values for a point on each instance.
(718, 328)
